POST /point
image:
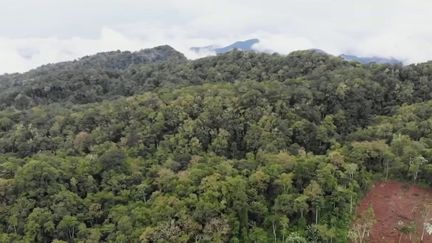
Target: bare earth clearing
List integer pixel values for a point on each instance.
(394, 202)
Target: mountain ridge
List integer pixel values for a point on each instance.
(108, 75)
(370, 59)
(247, 45)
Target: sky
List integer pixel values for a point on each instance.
(37, 32)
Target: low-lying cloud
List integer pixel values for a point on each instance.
(50, 31)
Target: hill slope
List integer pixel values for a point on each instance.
(85, 80)
(240, 147)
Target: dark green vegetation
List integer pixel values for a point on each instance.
(242, 147)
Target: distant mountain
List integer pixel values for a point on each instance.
(239, 45)
(369, 60)
(245, 45)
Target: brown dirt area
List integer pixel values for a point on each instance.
(393, 202)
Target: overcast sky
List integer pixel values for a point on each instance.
(36, 32)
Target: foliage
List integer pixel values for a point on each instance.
(241, 147)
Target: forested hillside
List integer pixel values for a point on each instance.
(89, 79)
(239, 147)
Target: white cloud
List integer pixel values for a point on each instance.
(282, 43)
(22, 54)
(47, 31)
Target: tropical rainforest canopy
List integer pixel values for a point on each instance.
(240, 147)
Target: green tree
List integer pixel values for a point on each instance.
(39, 225)
(68, 227)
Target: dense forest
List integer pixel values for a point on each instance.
(240, 147)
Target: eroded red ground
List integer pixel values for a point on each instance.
(393, 202)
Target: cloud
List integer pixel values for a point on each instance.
(22, 54)
(37, 34)
(282, 43)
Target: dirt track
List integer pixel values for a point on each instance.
(393, 202)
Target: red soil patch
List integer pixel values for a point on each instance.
(393, 202)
